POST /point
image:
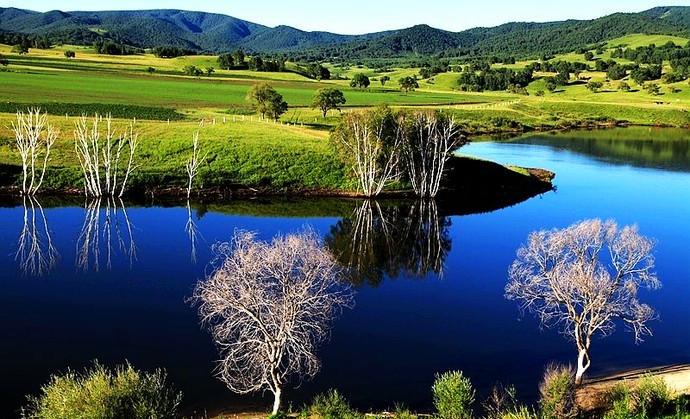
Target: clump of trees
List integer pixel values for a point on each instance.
(192, 70)
(34, 138)
(328, 99)
(21, 49)
(640, 75)
(267, 101)
(594, 86)
(381, 147)
(70, 54)
(408, 84)
(109, 47)
(583, 279)
(269, 306)
(360, 81)
(493, 79)
(171, 52)
(318, 72)
(106, 159)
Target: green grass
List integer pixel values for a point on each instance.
(640, 40)
(255, 154)
(78, 109)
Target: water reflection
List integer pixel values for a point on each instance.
(105, 233)
(36, 254)
(642, 147)
(384, 239)
(193, 233)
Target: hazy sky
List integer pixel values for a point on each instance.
(361, 16)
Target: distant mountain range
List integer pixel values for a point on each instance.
(217, 33)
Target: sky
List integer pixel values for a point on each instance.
(364, 16)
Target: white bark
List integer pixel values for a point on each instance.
(562, 277)
(34, 137)
(100, 160)
(35, 251)
(427, 149)
(193, 164)
(375, 158)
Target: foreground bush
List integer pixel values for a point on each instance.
(649, 398)
(453, 396)
(557, 393)
(330, 405)
(102, 393)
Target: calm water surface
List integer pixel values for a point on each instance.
(112, 283)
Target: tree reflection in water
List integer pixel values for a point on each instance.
(35, 251)
(193, 233)
(391, 239)
(106, 230)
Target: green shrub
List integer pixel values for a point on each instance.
(101, 393)
(557, 393)
(453, 395)
(648, 398)
(520, 413)
(279, 415)
(403, 413)
(331, 405)
(501, 402)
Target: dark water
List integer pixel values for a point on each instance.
(429, 293)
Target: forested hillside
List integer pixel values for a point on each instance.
(208, 32)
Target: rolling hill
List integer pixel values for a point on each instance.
(212, 32)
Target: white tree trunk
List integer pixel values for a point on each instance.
(276, 401)
(583, 363)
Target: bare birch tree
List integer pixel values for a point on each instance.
(430, 139)
(269, 306)
(371, 144)
(192, 231)
(194, 162)
(584, 279)
(100, 156)
(34, 137)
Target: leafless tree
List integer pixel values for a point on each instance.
(106, 228)
(431, 138)
(269, 306)
(100, 160)
(194, 162)
(583, 279)
(371, 142)
(34, 137)
(36, 253)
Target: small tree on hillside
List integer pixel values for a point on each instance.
(327, 99)
(269, 306)
(4, 61)
(384, 80)
(192, 70)
(70, 54)
(210, 71)
(595, 86)
(267, 101)
(583, 279)
(20, 49)
(360, 81)
(408, 84)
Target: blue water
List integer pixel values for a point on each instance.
(402, 330)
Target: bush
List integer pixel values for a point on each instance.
(331, 405)
(101, 393)
(557, 393)
(650, 397)
(453, 395)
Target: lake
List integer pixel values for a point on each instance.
(112, 281)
